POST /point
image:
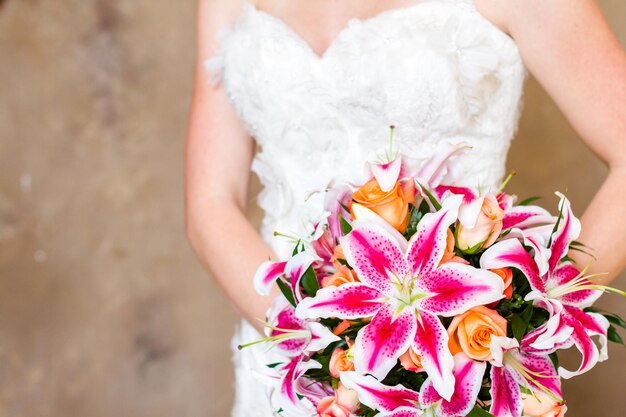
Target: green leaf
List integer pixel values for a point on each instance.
(436, 204)
(554, 357)
(529, 200)
(518, 326)
(345, 226)
(614, 337)
(284, 288)
(479, 412)
(309, 282)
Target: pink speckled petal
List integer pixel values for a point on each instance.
(443, 190)
(375, 254)
(542, 372)
(550, 336)
(565, 273)
(348, 301)
(379, 344)
(468, 380)
(431, 343)
(428, 244)
(387, 174)
(266, 275)
(568, 231)
(585, 325)
(506, 399)
(511, 254)
(375, 395)
(295, 269)
(285, 318)
(523, 217)
(293, 370)
(456, 288)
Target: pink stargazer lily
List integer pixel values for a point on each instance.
(398, 401)
(403, 288)
(513, 368)
(295, 338)
(269, 271)
(562, 290)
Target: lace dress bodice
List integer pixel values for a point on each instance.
(437, 70)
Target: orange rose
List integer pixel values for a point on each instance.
(339, 362)
(337, 255)
(392, 206)
(344, 403)
(342, 276)
(411, 361)
(540, 404)
(507, 276)
(449, 255)
(486, 230)
(471, 332)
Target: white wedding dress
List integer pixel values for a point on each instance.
(437, 70)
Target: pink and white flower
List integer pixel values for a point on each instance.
(512, 368)
(562, 290)
(404, 288)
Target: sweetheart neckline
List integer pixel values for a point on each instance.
(341, 33)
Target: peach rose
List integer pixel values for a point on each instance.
(507, 276)
(392, 206)
(471, 332)
(411, 361)
(339, 362)
(337, 255)
(449, 255)
(342, 404)
(342, 276)
(486, 230)
(541, 404)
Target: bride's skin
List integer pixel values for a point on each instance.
(566, 44)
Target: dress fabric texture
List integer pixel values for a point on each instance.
(437, 70)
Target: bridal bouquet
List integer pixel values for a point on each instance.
(414, 298)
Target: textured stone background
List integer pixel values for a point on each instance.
(104, 310)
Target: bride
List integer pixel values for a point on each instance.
(316, 84)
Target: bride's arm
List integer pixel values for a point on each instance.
(570, 49)
(217, 165)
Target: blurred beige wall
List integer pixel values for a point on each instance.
(104, 310)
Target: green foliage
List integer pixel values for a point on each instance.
(529, 200)
(286, 290)
(477, 411)
(345, 226)
(309, 282)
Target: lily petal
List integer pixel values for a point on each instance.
(379, 344)
(468, 380)
(511, 253)
(282, 316)
(456, 288)
(585, 325)
(568, 231)
(293, 370)
(266, 275)
(564, 274)
(348, 301)
(387, 174)
(540, 373)
(428, 244)
(431, 344)
(375, 395)
(523, 217)
(374, 254)
(296, 267)
(506, 399)
(321, 337)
